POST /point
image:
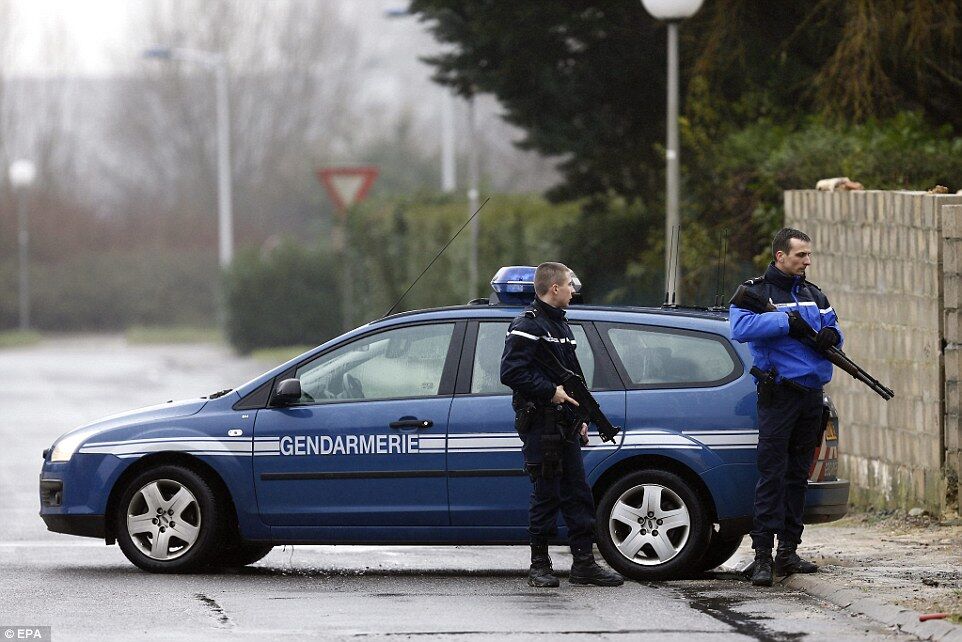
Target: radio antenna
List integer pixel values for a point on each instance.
(669, 294)
(674, 269)
(720, 272)
(725, 262)
(460, 229)
(673, 259)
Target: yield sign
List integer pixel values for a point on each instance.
(347, 185)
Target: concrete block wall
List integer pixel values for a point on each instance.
(952, 354)
(879, 258)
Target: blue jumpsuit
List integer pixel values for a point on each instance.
(542, 326)
(789, 426)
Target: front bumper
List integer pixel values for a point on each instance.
(83, 525)
(826, 501)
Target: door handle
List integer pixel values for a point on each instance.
(412, 423)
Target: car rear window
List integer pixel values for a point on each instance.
(654, 356)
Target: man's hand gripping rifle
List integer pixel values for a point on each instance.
(588, 410)
(748, 300)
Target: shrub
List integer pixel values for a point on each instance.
(284, 297)
(115, 290)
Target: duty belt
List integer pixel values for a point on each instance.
(771, 378)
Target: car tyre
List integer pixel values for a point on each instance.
(629, 517)
(241, 554)
(720, 550)
(170, 520)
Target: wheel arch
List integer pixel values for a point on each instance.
(661, 462)
(160, 459)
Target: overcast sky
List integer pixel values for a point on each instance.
(104, 40)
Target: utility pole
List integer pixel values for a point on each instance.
(22, 174)
(473, 197)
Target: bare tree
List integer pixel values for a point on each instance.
(291, 70)
(37, 113)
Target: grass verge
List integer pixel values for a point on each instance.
(174, 334)
(278, 355)
(19, 338)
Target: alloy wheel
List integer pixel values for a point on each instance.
(649, 524)
(163, 519)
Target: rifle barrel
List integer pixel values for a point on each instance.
(744, 299)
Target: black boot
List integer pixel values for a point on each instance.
(787, 560)
(585, 570)
(762, 575)
(540, 574)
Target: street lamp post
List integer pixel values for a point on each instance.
(218, 63)
(22, 174)
(448, 175)
(473, 197)
(448, 161)
(672, 12)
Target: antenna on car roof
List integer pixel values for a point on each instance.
(673, 251)
(722, 267)
(669, 291)
(460, 229)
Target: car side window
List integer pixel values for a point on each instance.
(403, 362)
(486, 377)
(653, 356)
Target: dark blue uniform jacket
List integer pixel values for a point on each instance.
(767, 333)
(540, 326)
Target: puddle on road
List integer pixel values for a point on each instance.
(722, 608)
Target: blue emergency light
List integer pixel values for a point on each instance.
(514, 285)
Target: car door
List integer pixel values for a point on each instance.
(365, 444)
(682, 390)
(487, 484)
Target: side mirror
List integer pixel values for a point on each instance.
(287, 392)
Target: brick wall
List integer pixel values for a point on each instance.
(890, 263)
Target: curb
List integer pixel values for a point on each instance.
(903, 619)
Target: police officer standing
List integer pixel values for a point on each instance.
(551, 435)
(790, 375)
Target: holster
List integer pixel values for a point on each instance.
(524, 417)
(552, 441)
(766, 385)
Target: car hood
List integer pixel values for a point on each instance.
(169, 410)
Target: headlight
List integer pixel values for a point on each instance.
(64, 449)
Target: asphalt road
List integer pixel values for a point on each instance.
(86, 590)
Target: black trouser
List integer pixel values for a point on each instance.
(567, 492)
(788, 429)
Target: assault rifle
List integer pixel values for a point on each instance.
(748, 300)
(588, 410)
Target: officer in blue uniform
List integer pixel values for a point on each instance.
(551, 435)
(790, 376)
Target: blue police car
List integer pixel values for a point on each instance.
(401, 432)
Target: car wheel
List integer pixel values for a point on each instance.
(169, 520)
(720, 550)
(652, 525)
(242, 554)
